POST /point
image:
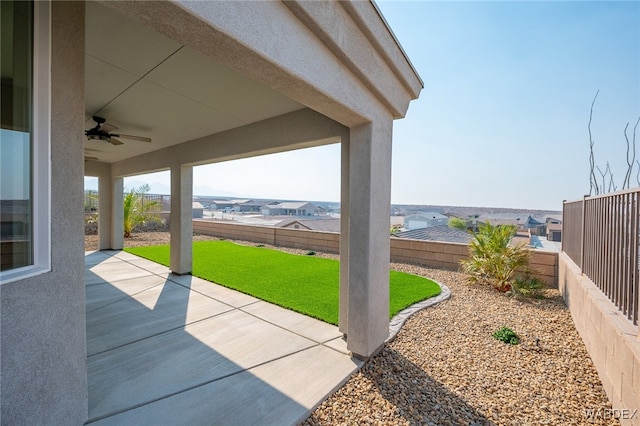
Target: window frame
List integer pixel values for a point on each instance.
(40, 149)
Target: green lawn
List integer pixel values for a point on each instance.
(305, 284)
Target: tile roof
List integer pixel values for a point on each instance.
(325, 225)
(289, 205)
(437, 233)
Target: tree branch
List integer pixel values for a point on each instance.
(592, 176)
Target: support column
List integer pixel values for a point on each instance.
(369, 243)
(117, 213)
(343, 316)
(105, 199)
(181, 221)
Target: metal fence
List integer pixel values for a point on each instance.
(150, 202)
(90, 200)
(601, 235)
(155, 202)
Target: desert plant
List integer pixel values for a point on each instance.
(136, 209)
(456, 222)
(527, 286)
(492, 259)
(506, 335)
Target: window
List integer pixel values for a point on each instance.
(24, 140)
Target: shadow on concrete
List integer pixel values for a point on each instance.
(160, 353)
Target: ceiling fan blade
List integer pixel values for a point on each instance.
(114, 141)
(91, 158)
(106, 127)
(134, 138)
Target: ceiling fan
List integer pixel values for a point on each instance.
(103, 131)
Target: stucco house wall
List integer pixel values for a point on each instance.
(43, 348)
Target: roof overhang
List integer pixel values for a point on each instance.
(178, 72)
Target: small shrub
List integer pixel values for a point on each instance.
(456, 222)
(311, 253)
(492, 259)
(506, 335)
(137, 210)
(528, 286)
(259, 245)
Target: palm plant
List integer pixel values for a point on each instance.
(136, 208)
(492, 259)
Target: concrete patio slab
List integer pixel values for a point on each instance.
(281, 392)
(184, 358)
(95, 257)
(123, 255)
(303, 325)
(114, 271)
(338, 344)
(218, 292)
(104, 293)
(150, 266)
(153, 311)
(167, 349)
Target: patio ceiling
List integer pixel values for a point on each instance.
(149, 85)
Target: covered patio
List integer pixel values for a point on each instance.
(191, 77)
(169, 349)
(205, 82)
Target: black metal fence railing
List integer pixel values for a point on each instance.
(601, 235)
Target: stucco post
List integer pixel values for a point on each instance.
(343, 318)
(105, 198)
(181, 225)
(369, 245)
(117, 213)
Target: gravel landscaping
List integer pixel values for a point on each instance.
(445, 368)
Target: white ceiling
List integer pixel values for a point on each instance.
(151, 86)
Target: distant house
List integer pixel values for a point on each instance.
(436, 233)
(554, 229)
(515, 219)
(197, 210)
(323, 225)
(425, 220)
(554, 232)
(290, 209)
(239, 206)
(535, 226)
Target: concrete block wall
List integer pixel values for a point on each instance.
(544, 265)
(235, 231)
(328, 242)
(427, 253)
(611, 340)
(448, 255)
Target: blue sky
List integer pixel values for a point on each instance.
(502, 120)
